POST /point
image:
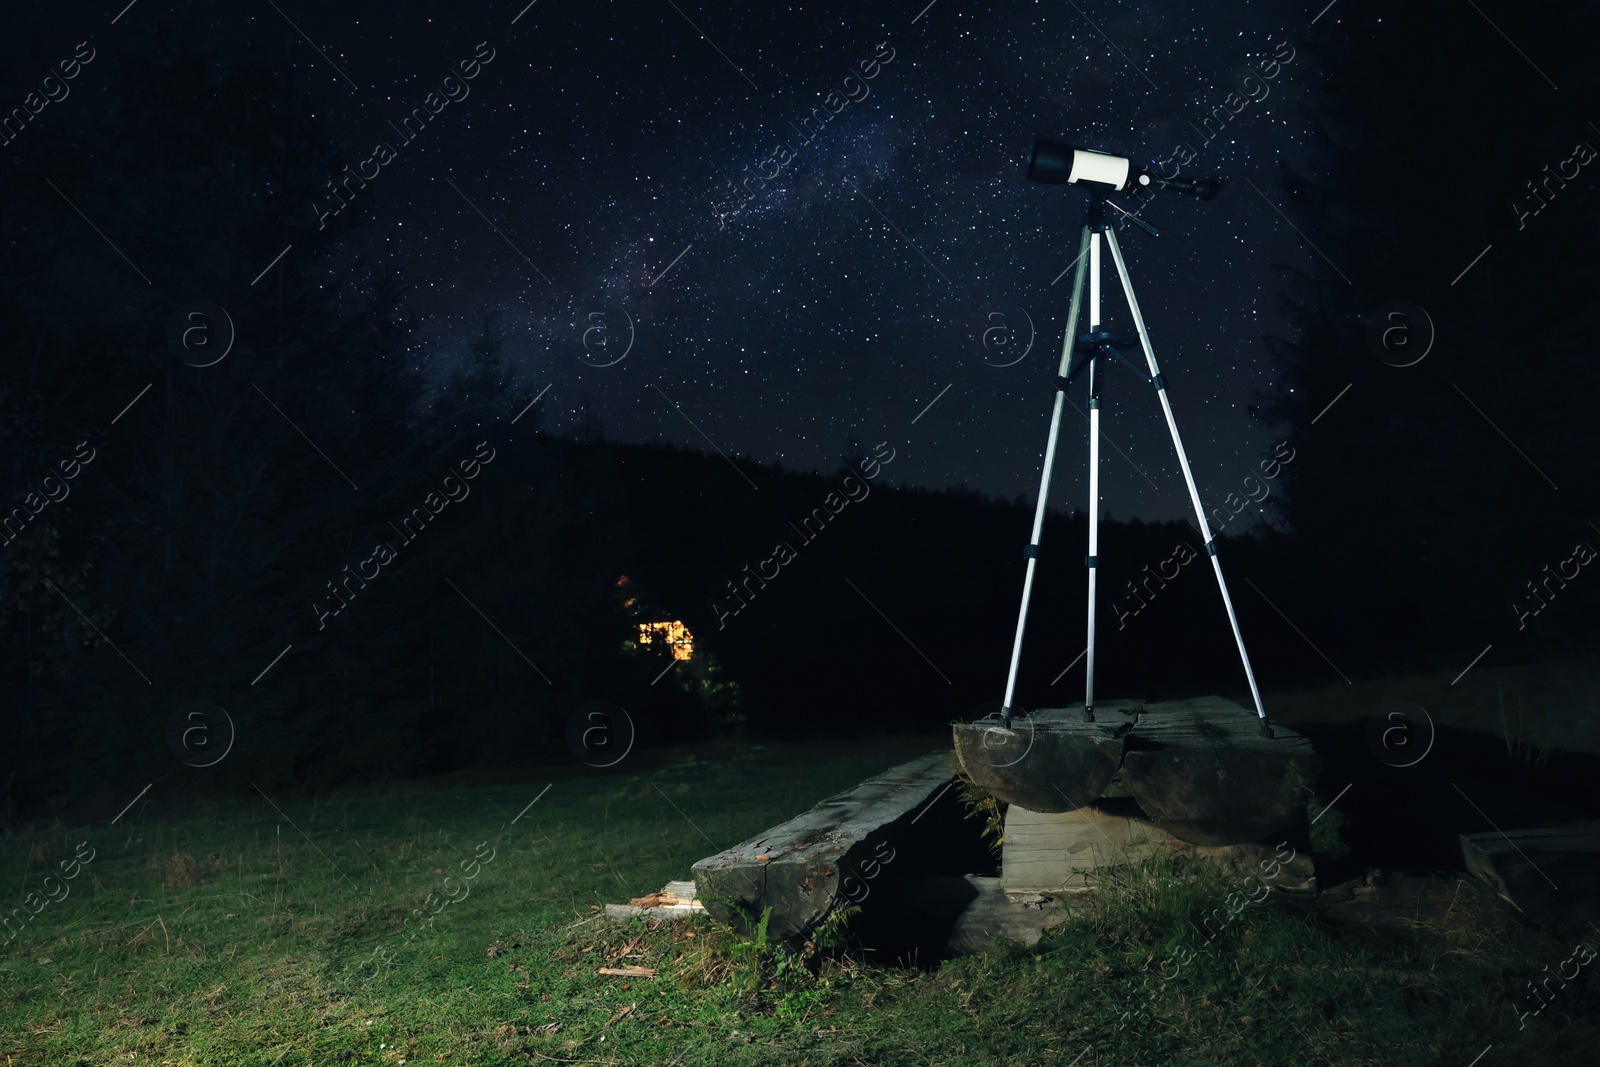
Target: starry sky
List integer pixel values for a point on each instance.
(898, 266)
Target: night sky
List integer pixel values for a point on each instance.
(580, 183)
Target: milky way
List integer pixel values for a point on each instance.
(898, 258)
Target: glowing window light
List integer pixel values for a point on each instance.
(675, 634)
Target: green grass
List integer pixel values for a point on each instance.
(226, 937)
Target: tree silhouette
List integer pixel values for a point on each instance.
(1427, 493)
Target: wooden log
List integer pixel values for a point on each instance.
(672, 893)
(1048, 852)
(1202, 770)
(796, 867)
(675, 901)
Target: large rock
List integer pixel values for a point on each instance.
(1050, 760)
(1202, 771)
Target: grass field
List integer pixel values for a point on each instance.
(431, 923)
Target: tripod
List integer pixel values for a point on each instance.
(1098, 342)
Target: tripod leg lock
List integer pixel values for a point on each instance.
(1030, 552)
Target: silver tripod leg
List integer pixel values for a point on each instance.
(1093, 559)
(1183, 464)
(1032, 551)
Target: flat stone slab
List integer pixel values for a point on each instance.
(799, 868)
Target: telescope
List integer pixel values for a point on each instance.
(1054, 163)
(1101, 174)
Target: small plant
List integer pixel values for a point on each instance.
(1326, 840)
(757, 945)
(1535, 752)
(833, 932)
(981, 804)
(756, 951)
